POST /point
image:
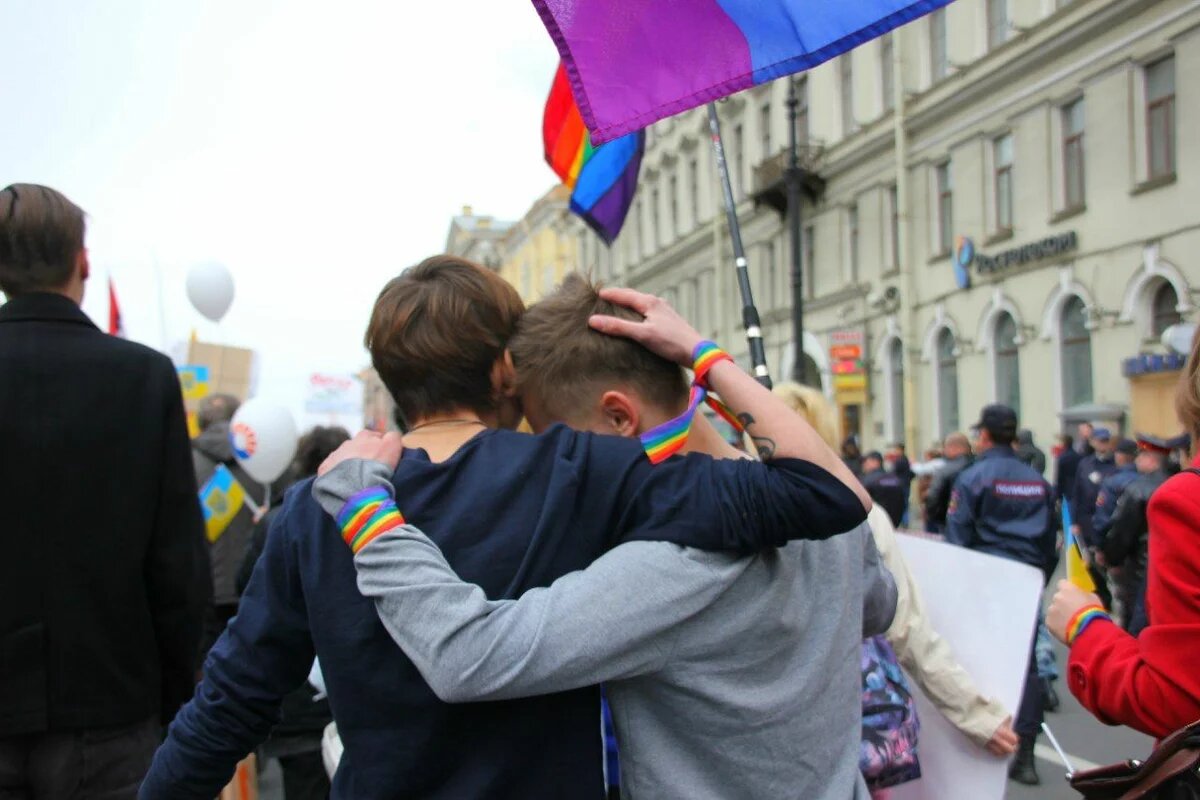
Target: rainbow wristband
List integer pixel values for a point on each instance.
(1082, 618)
(704, 357)
(367, 515)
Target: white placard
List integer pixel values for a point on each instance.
(985, 607)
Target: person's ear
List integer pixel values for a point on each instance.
(620, 413)
(82, 267)
(504, 377)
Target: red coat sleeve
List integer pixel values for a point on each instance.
(1151, 683)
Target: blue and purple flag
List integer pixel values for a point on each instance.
(633, 62)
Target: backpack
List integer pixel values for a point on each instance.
(887, 755)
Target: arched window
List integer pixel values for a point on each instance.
(1007, 363)
(896, 389)
(947, 382)
(1163, 312)
(1076, 354)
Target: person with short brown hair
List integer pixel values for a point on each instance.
(562, 382)
(41, 242)
(437, 337)
(512, 512)
(102, 560)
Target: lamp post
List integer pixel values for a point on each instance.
(793, 178)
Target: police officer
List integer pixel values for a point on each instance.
(1113, 486)
(1125, 541)
(1003, 507)
(1093, 469)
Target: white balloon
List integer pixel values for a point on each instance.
(264, 439)
(210, 288)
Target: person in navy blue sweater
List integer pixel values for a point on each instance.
(511, 512)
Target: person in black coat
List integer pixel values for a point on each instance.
(887, 489)
(1066, 467)
(1125, 543)
(102, 558)
(1029, 453)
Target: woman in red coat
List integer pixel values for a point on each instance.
(1150, 683)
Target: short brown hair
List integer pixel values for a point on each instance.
(564, 363)
(1187, 395)
(435, 333)
(41, 234)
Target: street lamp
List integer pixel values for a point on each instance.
(793, 180)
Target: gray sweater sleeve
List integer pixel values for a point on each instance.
(613, 620)
(879, 588)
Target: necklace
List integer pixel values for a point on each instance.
(416, 428)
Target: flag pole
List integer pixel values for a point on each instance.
(750, 319)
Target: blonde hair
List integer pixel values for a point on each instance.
(812, 405)
(1187, 395)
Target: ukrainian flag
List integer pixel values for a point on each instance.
(1077, 571)
(222, 497)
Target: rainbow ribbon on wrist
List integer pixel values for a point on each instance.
(366, 516)
(664, 441)
(1082, 618)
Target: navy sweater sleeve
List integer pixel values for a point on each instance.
(728, 505)
(264, 653)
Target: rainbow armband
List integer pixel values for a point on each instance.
(367, 515)
(1082, 618)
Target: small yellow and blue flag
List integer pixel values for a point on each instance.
(193, 379)
(221, 498)
(1077, 571)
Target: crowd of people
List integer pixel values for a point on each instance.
(455, 595)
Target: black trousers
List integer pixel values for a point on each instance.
(304, 776)
(1031, 712)
(99, 764)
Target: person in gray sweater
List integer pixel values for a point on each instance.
(728, 677)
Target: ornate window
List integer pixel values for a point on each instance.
(947, 382)
(1076, 354)
(1007, 363)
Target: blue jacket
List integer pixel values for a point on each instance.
(511, 512)
(1092, 472)
(1004, 507)
(1111, 489)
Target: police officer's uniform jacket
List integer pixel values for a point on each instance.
(1003, 507)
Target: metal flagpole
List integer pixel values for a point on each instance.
(750, 319)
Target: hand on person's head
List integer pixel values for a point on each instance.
(368, 445)
(661, 331)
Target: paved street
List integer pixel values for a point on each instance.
(1084, 739)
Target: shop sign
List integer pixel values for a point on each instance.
(965, 255)
(1149, 363)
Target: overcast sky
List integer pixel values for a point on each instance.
(314, 148)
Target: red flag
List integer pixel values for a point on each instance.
(115, 327)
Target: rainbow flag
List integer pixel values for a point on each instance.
(1077, 571)
(632, 62)
(604, 179)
